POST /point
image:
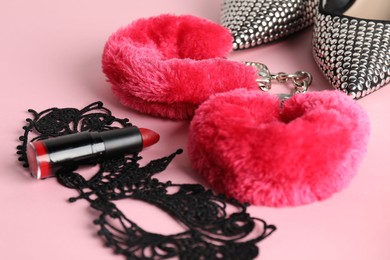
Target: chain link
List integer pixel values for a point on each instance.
(300, 79)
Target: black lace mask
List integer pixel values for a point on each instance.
(211, 232)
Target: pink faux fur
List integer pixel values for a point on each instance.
(167, 65)
(248, 147)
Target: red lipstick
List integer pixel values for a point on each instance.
(46, 155)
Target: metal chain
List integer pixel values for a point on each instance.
(300, 79)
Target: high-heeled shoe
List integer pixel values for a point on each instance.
(254, 22)
(351, 44)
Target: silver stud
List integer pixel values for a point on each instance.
(354, 54)
(252, 16)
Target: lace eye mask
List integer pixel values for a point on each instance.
(211, 232)
(168, 65)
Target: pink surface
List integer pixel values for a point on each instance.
(50, 56)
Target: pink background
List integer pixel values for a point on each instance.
(50, 56)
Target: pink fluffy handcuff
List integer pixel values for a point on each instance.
(248, 144)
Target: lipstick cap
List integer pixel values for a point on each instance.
(121, 141)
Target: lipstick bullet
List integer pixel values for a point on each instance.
(45, 156)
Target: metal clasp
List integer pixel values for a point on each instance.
(265, 76)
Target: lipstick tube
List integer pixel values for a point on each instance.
(45, 156)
